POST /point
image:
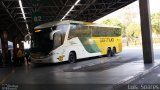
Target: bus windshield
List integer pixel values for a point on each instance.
(41, 41)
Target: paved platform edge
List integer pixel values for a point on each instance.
(132, 78)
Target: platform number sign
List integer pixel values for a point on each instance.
(37, 18)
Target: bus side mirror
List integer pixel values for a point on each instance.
(28, 37)
(52, 33)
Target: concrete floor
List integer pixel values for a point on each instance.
(96, 73)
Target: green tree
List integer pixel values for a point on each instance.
(133, 32)
(128, 17)
(156, 23)
(126, 20)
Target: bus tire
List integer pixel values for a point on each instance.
(113, 52)
(108, 52)
(72, 57)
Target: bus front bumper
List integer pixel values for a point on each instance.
(42, 60)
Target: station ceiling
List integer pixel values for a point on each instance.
(11, 18)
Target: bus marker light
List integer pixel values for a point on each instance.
(37, 30)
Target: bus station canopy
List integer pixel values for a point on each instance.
(42, 11)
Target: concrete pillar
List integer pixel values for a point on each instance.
(146, 31)
(4, 42)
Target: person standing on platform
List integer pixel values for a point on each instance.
(20, 56)
(27, 55)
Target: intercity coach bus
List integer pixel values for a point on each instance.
(71, 40)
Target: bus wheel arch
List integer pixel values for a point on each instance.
(108, 51)
(72, 57)
(113, 51)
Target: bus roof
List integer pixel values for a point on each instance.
(50, 24)
(103, 25)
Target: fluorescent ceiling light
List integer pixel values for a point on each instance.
(70, 9)
(27, 26)
(22, 10)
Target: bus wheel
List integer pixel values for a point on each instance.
(113, 51)
(108, 52)
(72, 57)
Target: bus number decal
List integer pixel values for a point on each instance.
(106, 39)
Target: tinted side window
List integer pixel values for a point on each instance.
(79, 31)
(57, 40)
(63, 28)
(105, 31)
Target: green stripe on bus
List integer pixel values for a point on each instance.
(89, 44)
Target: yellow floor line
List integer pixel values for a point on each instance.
(7, 77)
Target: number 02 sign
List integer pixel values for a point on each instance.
(37, 18)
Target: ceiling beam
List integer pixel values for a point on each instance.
(12, 18)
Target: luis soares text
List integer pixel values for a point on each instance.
(143, 86)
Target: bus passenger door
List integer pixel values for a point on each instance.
(57, 46)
